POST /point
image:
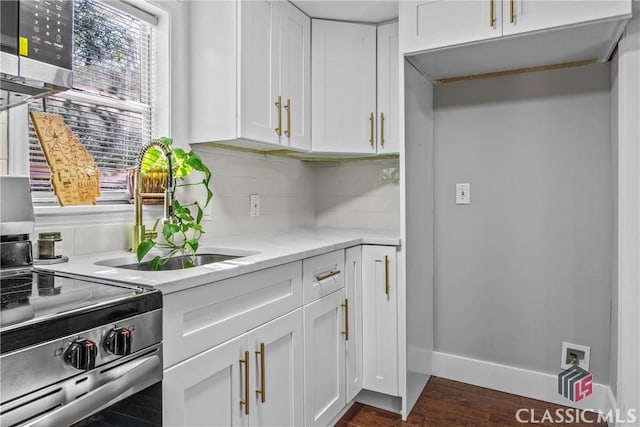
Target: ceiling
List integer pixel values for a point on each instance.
(358, 10)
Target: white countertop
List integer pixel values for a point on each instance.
(273, 248)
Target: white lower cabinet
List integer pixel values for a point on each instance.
(380, 319)
(205, 390)
(277, 354)
(324, 359)
(353, 288)
(293, 361)
(253, 380)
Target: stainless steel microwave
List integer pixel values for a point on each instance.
(36, 49)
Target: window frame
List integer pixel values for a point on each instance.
(18, 120)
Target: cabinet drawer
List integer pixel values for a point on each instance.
(202, 317)
(322, 275)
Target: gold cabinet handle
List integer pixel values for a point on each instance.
(512, 17)
(346, 319)
(279, 107)
(245, 401)
(492, 18)
(261, 391)
(288, 108)
(386, 275)
(382, 130)
(321, 277)
(371, 129)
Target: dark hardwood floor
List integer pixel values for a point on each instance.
(446, 403)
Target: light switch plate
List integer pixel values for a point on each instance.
(463, 194)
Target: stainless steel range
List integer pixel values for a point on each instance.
(73, 350)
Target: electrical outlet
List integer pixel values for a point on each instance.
(206, 211)
(254, 205)
(463, 194)
(575, 354)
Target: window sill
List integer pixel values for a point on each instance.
(80, 210)
(89, 214)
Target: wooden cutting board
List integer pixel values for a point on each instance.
(74, 173)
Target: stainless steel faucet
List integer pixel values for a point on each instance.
(139, 232)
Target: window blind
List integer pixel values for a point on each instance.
(110, 108)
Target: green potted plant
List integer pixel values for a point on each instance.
(181, 235)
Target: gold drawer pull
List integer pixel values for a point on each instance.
(371, 136)
(288, 108)
(512, 17)
(386, 275)
(492, 18)
(321, 277)
(278, 104)
(261, 391)
(245, 401)
(346, 319)
(382, 130)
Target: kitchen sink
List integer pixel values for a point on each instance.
(180, 262)
(211, 256)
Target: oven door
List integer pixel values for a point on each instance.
(127, 391)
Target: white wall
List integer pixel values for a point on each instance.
(628, 375)
(613, 345)
(360, 193)
(528, 263)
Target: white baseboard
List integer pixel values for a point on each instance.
(523, 382)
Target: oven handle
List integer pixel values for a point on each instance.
(135, 376)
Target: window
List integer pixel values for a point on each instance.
(110, 107)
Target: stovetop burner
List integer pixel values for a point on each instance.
(41, 305)
(15, 290)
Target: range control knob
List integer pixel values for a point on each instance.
(81, 354)
(118, 342)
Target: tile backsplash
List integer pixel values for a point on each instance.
(293, 193)
(359, 193)
(286, 188)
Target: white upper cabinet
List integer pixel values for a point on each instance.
(250, 73)
(388, 70)
(344, 87)
(529, 15)
(434, 24)
(427, 25)
(295, 75)
(260, 71)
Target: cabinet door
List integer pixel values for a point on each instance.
(353, 288)
(531, 15)
(277, 354)
(206, 389)
(259, 70)
(433, 24)
(324, 360)
(343, 83)
(388, 69)
(379, 317)
(295, 70)
(212, 75)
